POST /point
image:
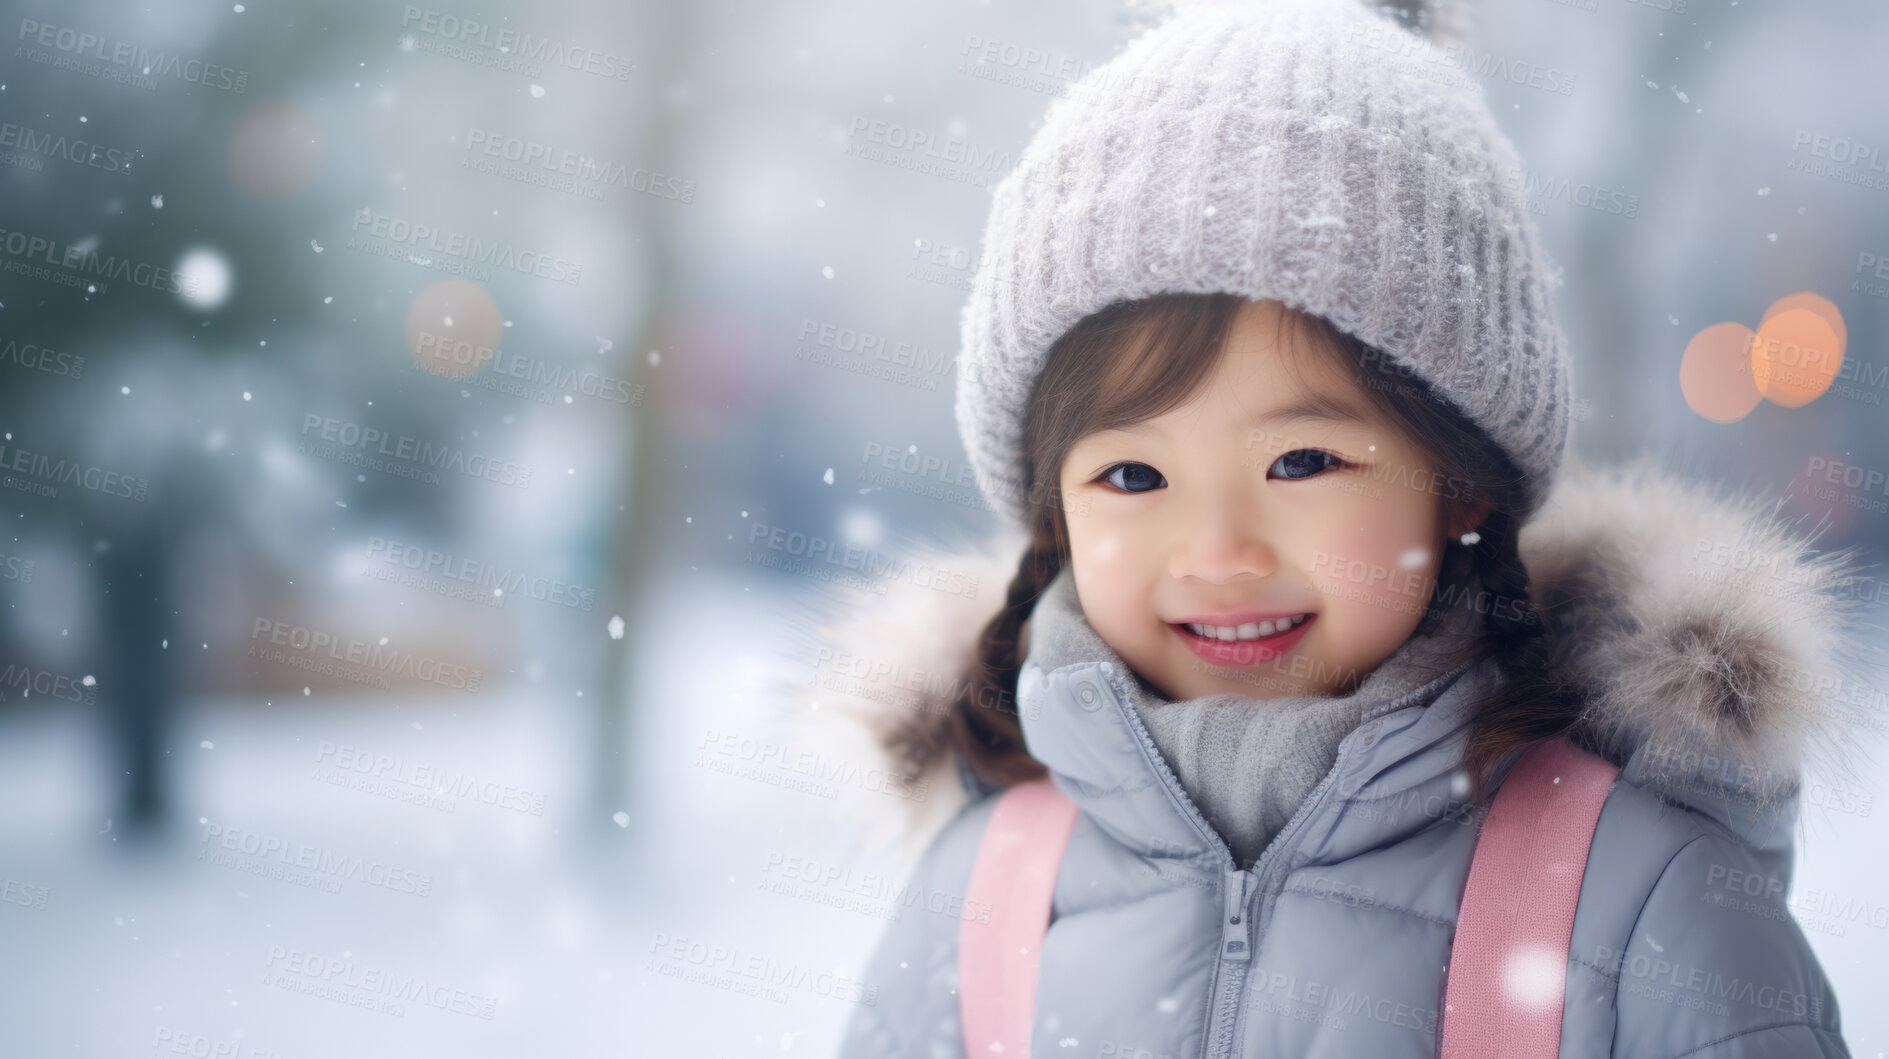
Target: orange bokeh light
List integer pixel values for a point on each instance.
(1795, 358)
(1818, 304)
(453, 329)
(274, 150)
(1715, 375)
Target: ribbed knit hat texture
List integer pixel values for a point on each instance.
(1316, 152)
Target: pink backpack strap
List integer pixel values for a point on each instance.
(1509, 961)
(1014, 877)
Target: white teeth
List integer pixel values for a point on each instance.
(1252, 630)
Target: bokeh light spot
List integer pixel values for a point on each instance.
(274, 150)
(1816, 303)
(1715, 375)
(453, 329)
(1795, 358)
(203, 278)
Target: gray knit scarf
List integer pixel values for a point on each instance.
(1249, 763)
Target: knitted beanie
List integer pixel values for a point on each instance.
(1316, 152)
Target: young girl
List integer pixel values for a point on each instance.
(1261, 359)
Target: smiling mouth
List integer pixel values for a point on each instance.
(1246, 632)
(1248, 644)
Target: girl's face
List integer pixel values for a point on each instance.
(1284, 512)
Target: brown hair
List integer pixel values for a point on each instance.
(1138, 359)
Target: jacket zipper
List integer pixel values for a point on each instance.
(1238, 886)
(1229, 971)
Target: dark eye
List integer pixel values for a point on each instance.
(1135, 477)
(1303, 463)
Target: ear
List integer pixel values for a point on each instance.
(1466, 517)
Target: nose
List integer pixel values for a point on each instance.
(1224, 541)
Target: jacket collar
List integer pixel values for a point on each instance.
(1080, 722)
(1081, 710)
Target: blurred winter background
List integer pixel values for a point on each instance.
(391, 393)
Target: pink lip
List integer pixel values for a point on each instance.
(1243, 652)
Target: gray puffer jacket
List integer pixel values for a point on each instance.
(1715, 645)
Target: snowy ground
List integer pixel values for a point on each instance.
(561, 934)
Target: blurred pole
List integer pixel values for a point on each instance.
(139, 682)
(141, 604)
(633, 548)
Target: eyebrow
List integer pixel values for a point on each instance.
(1311, 408)
(1316, 407)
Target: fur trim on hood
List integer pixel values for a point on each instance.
(1718, 647)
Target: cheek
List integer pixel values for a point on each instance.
(1379, 560)
(1104, 579)
(1114, 578)
(1106, 550)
